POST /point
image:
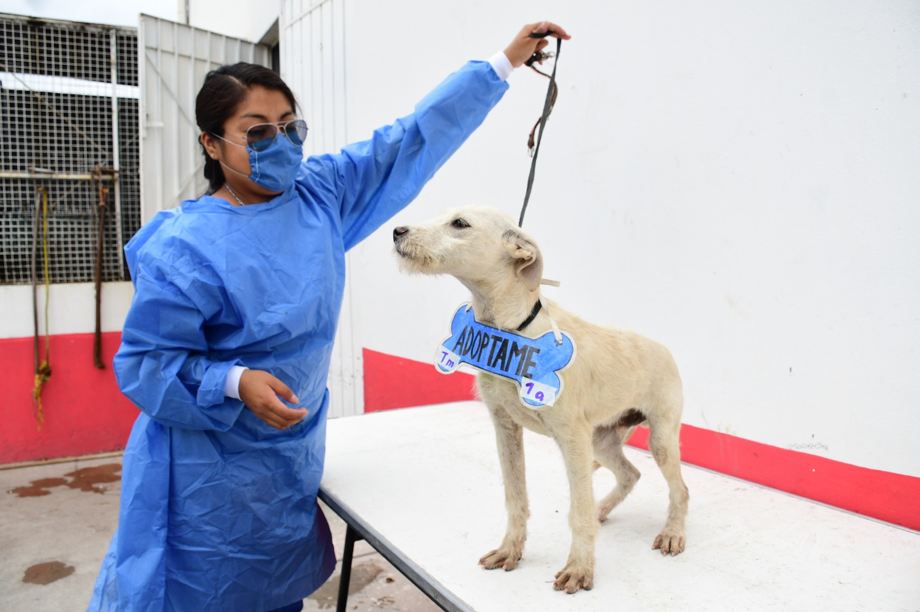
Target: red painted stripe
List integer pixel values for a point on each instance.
(890, 497)
(85, 413)
(393, 382)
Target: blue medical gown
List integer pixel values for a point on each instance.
(218, 509)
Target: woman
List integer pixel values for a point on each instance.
(237, 296)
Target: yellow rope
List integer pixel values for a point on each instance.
(44, 370)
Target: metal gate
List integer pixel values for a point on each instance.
(175, 60)
(312, 49)
(68, 107)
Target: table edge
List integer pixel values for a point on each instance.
(436, 591)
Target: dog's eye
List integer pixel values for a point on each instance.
(459, 223)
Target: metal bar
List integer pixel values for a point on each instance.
(160, 134)
(42, 83)
(113, 57)
(193, 41)
(141, 114)
(54, 176)
(345, 577)
(177, 138)
(437, 592)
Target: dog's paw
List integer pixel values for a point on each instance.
(606, 505)
(670, 543)
(507, 559)
(572, 578)
(603, 510)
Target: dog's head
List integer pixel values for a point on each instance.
(482, 247)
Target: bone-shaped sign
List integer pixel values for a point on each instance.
(532, 363)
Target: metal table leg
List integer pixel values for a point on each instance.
(351, 536)
(442, 597)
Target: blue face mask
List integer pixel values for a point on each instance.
(276, 167)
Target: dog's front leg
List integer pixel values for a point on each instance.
(510, 438)
(578, 573)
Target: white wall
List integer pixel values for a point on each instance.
(246, 19)
(738, 180)
(71, 308)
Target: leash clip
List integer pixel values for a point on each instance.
(539, 56)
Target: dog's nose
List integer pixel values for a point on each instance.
(399, 231)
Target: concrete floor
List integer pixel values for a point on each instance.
(56, 522)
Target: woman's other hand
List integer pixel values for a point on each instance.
(522, 47)
(259, 390)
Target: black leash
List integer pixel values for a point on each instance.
(547, 109)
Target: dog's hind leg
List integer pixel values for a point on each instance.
(665, 446)
(510, 438)
(608, 451)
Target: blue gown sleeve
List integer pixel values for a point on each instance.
(162, 364)
(377, 178)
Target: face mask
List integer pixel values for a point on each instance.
(276, 167)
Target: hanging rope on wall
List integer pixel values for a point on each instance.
(42, 368)
(97, 173)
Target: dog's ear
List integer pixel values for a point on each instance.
(526, 257)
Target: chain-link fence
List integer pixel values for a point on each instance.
(69, 92)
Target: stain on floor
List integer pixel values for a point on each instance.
(39, 487)
(84, 479)
(46, 573)
(361, 576)
(87, 478)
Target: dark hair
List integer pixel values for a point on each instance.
(223, 91)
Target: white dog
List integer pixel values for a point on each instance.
(617, 381)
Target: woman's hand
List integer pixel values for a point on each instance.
(259, 390)
(522, 47)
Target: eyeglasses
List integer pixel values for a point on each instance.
(261, 136)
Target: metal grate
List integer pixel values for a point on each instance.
(56, 125)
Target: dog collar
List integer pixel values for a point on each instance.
(533, 364)
(533, 315)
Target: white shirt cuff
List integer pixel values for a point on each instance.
(232, 384)
(501, 65)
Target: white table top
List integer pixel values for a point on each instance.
(428, 481)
